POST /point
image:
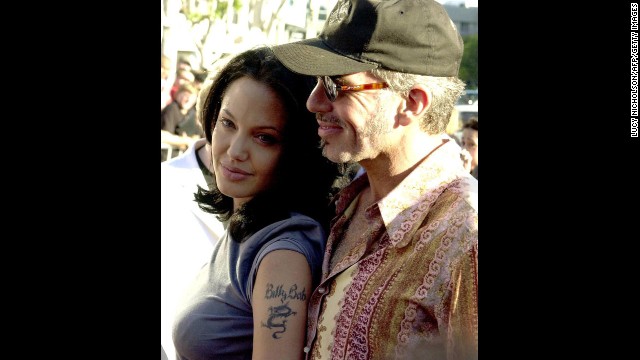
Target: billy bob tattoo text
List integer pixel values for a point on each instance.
(278, 314)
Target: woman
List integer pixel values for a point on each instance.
(271, 187)
(470, 146)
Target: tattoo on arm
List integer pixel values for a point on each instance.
(275, 322)
(278, 314)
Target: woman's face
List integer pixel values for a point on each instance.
(470, 142)
(247, 140)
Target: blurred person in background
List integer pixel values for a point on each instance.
(199, 76)
(174, 117)
(454, 127)
(187, 233)
(184, 64)
(166, 81)
(183, 77)
(470, 146)
(177, 121)
(270, 187)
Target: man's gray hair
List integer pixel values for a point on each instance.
(445, 92)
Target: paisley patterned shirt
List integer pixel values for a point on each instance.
(410, 290)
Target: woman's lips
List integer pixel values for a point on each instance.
(234, 174)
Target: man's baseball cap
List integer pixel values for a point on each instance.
(409, 36)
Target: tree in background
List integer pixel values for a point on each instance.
(204, 14)
(469, 65)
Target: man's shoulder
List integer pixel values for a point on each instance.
(453, 218)
(464, 189)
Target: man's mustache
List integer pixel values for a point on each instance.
(328, 119)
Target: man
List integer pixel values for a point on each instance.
(176, 114)
(187, 233)
(178, 126)
(400, 273)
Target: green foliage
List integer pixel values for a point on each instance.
(220, 10)
(469, 65)
(195, 18)
(237, 4)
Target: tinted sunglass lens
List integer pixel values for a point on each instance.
(329, 88)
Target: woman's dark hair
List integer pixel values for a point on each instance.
(472, 124)
(305, 176)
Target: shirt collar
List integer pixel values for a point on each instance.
(404, 208)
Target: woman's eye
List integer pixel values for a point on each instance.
(267, 139)
(226, 123)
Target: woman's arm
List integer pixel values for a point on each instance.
(280, 297)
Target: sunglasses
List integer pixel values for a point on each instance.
(331, 89)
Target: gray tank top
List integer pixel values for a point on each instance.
(215, 319)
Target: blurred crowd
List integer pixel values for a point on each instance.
(179, 90)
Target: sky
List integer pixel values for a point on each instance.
(468, 3)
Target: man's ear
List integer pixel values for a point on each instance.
(416, 103)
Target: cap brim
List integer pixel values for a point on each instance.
(313, 57)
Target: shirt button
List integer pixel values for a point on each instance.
(306, 349)
(321, 290)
